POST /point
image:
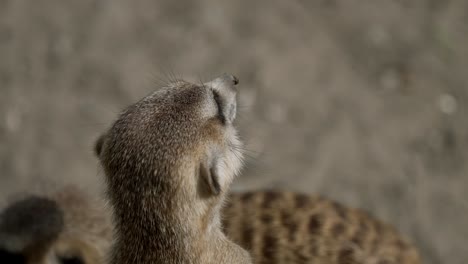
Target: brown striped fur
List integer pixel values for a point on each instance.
(285, 227)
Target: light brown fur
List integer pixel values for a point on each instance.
(88, 231)
(169, 160)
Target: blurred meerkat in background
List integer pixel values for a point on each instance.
(68, 226)
(286, 227)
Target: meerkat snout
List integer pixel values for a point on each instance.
(225, 95)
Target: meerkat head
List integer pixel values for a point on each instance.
(175, 150)
(34, 230)
(28, 228)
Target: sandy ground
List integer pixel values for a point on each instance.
(362, 101)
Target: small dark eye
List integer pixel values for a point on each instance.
(71, 260)
(219, 104)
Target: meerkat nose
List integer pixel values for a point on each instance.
(228, 79)
(235, 80)
(224, 86)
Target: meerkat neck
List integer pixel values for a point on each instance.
(171, 236)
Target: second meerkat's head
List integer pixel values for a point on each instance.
(63, 227)
(177, 145)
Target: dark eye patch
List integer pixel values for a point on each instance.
(71, 260)
(11, 258)
(219, 104)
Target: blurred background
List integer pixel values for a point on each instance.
(361, 101)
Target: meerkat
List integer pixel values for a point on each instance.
(168, 161)
(88, 230)
(29, 226)
(68, 226)
(286, 227)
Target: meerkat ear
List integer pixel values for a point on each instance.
(98, 145)
(210, 179)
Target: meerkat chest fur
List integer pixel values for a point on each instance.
(168, 161)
